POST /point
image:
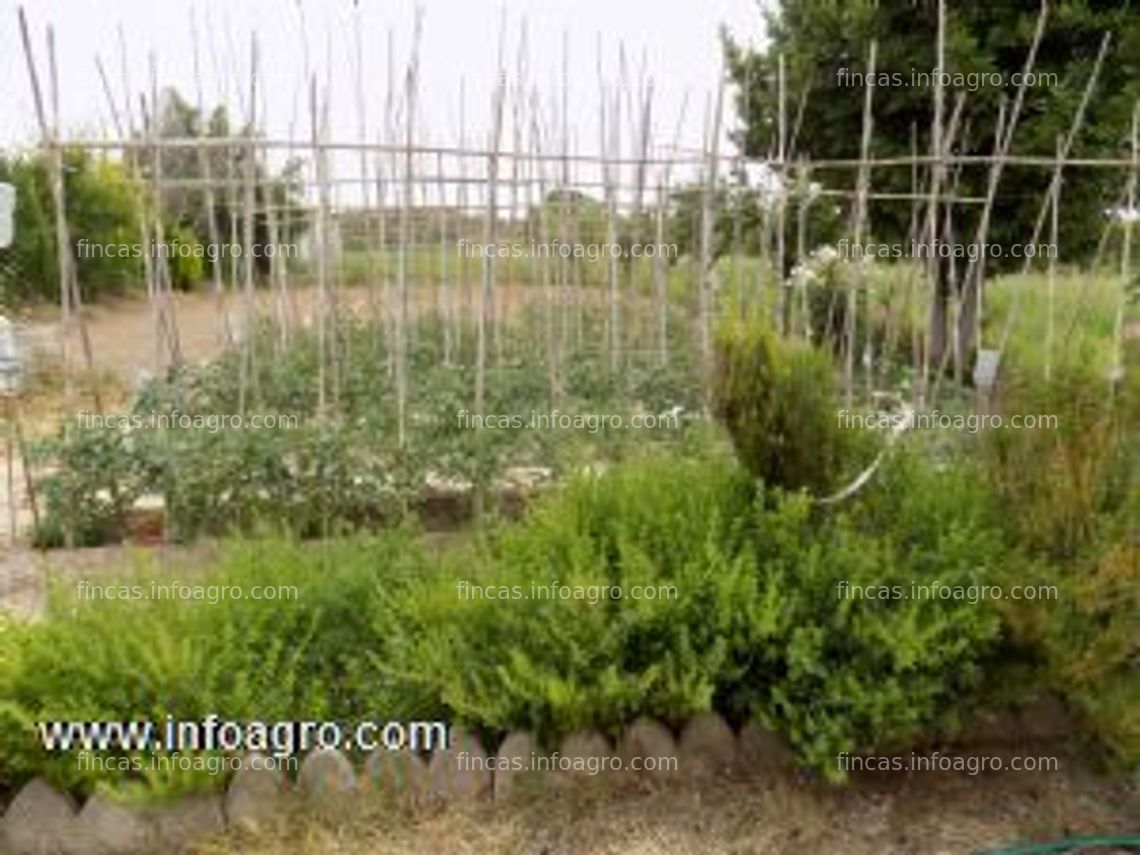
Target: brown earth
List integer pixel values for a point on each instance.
(767, 813)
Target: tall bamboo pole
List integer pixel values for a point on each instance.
(386, 174)
(487, 292)
(645, 134)
(858, 282)
(973, 296)
(1051, 274)
(785, 299)
(547, 278)
(1126, 253)
(249, 358)
(708, 225)
(1070, 139)
(365, 182)
(70, 300)
(446, 247)
(1059, 163)
(411, 82)
(564, 266)
(321, 248)
(660, 269)
(462, 201)
(934, 338)
(224, 334)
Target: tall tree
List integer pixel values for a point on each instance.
(825, 45)
(185, 207)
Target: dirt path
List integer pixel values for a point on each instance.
(14, 506)
(765, 813)
(25, 573)
(122, 331)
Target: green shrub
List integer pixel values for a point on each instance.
(1076, 491)
(1073, 485)
(758, 629)
(101, 210)
(300, 658)
(750, 618)
(777, 399)
(837, 670)
(557, 665)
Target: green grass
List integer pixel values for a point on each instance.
(1083, 310)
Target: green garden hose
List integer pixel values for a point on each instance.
(1073, 843)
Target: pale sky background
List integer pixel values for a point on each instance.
(678, 39)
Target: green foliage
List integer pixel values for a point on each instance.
(744, 217)
(1091, 643)
(300, 656)
(100, 210)
(99, 475)
(883, 308)
(557, 665)
(1076, 489)
(185, 208)
(777, 399)
(104, 208)
(825, 48)
(839, 671)
(1075, 485)
(758, 627)
(186, 267)
(746, 619)
(345, 471)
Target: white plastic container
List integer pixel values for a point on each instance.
(11, 366)
(7, 214)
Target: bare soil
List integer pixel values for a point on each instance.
(766, 814)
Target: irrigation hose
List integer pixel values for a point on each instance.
(863, 477)
(1070, 845)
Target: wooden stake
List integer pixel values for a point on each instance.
(858, 281)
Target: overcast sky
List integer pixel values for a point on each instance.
(677, 38)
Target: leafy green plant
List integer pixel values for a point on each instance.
(557, 664)
(1071, 483)
(298, 656)
(101, 210)
(99, 475)
(777, 399)
(344, 470)
(839, 670)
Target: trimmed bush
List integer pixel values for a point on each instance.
(853, 658)
(777, 399)
(296, 658)
(509, 657)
